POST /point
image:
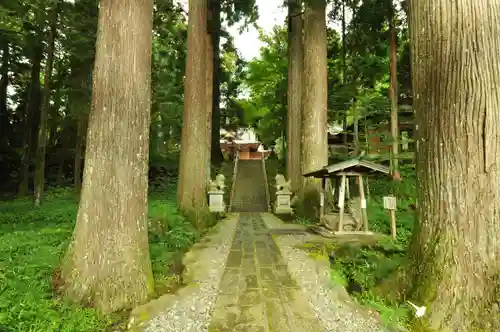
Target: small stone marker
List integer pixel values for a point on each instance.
(283, 196)
(390, 204)
(216, 194)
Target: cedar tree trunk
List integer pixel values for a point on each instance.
(294, 116)
(41, 145)
(209, 80)
(32, 109)
(191, 190)
(107, 264)
(314, 145)
(216, 152)
(456, 93)
(393, 94)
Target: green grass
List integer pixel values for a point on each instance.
(32, 242)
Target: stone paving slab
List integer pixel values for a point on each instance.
(257, 294)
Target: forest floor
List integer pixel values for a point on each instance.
(32, 242)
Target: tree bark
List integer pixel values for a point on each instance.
(81, 131)
(295, 69)
(32, 109)
(342, 75)
(209, 80)
(355, 128)
(216, 153)
(4, 83)
(44, 114)
(80, 98)
(314, 103)
(80, 105)
(191, 193)
(456, 95)
(393, 94)
(107, 264)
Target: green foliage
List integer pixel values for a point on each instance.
(358, 80)
(303, 221)
(378, 269)
(32, 242)
(266, 80)
(168, 62)
(240, 10)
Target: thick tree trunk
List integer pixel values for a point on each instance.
(192, 195)
(32, 109)
(107, 264)
(60, 169)
(356, 128)
(314, 103)
(294, 116)
(216, 153)
(44, 114)
(456, 245)
(209, 80)
(4, 84)
(81, 131)
(393, 95)
(80, 105)
(342, 74)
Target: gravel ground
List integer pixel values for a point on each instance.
(330, 305)
(191, 310)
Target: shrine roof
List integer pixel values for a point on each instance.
(355, 165)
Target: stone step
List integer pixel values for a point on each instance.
(250, 188)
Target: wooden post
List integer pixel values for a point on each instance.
(364, 215)
(332, 190)
(322, 198)
(341, 202)
(367, 188)
(390, 204)
(392, 215)
(347, 187)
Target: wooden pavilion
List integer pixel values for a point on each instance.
(332, 223)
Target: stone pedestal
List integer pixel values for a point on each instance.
(282, 205)
(216, 201)
(216, 194)
(283, 196)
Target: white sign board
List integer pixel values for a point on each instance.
(389, 202)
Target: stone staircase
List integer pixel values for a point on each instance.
(250, 188)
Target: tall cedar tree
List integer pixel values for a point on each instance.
(456, 82)
(314, 145)
(193, 172)
(393, 93)
(41, 144)
(295, 68)
(209, 79)
(107, 264)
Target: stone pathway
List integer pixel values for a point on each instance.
(241, 277)
(256, 292)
